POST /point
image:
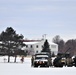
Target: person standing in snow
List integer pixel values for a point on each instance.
(22, 59)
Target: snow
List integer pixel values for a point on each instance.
(29, 43)
(26, 69)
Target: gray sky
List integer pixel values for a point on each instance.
(33, 18)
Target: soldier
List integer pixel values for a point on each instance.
(32, 60)
(69, 62)
(4, 60)
(74, 61)
(22, 59)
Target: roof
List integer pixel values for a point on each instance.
(52, 43)
(28, 43)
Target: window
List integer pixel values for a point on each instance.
(42, 46)
(36, 46)
(26, 46)
(31, 46)
(37, 51)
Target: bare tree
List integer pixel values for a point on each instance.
(56, 39)
(72, 45)
(60, 43)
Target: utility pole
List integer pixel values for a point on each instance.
(44, 36)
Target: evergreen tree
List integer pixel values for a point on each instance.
(46, 47)
(11, 43)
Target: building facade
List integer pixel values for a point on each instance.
(35, 46)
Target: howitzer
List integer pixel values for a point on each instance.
(63, 60)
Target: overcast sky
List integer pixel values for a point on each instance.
(33, 18)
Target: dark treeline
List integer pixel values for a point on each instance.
(64, 46)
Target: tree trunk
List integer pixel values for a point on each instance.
(8, 59)
(15, 59)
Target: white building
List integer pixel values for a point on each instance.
(35, 46)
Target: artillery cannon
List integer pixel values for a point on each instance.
(63, 59)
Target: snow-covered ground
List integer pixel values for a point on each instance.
(26, 69)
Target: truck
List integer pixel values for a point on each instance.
(41, 60)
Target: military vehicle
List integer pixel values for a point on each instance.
(63, 60)
(41, 60)
(44, 59)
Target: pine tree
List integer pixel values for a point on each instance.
(11, 43)
(46, 47)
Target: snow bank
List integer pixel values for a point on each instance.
(26, 69)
